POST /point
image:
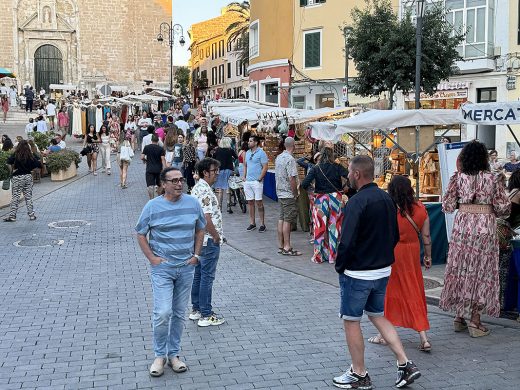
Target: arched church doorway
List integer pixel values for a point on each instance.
(48, 67)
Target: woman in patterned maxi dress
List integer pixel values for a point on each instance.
(471, 282)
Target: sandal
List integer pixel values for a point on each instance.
(280, 251)
(377, 340)
(460, 325)
(177, 365)
(9, 219)
(157, 369)
(478, 331)
(425, 346)
(291, 252)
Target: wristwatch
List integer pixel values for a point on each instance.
(197, 257)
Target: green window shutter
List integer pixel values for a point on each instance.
(312, 50)
(303, 3)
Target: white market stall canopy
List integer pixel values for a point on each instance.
(236, 112)
(383, 120)
(500, 113)
(62, 87)
(147, 98)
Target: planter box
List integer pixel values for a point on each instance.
(5, 197)
(64, 174)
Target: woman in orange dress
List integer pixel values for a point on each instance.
(405, 301)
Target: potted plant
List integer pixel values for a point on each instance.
(5, 195)
(42, 140)
(63, 164)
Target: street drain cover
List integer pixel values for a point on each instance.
(69, 223)
(38, 242)
(430, 284)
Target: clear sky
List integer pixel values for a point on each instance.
(188, 12)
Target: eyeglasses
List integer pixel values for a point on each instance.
(214, 170)
(175, 181)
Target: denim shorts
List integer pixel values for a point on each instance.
(358, 295)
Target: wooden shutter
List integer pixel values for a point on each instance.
(312, 49)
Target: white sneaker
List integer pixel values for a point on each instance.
(214, 319)
(194, 315)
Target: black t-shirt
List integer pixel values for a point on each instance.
(23, 167)
(178, 153)
(153, 153)
(225, 156)
(327, 178)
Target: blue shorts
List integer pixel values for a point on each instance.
(222, 179)
(358, 295)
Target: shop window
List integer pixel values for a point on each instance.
(271, 93)
(312, 49)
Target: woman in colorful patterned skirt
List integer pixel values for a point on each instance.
(327, 215)
(471, 282)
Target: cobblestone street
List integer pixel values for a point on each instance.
(77, 315)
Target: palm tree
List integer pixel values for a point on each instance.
(239, 31)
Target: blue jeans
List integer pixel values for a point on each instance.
(204, 277)
(171, 288)
(358, 295)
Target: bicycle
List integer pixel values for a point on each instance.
(236, 188)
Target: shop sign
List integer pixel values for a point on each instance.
(439, 95)
(511, 82)
(453, 85)
(344, 93)
(491, 113)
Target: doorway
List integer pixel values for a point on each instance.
(48, 67)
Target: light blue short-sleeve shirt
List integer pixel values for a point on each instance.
(171, 227)
(255, 160)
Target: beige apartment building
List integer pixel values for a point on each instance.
(216, 69)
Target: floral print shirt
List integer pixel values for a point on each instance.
(209, 202)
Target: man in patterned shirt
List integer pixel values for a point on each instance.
(208, 170)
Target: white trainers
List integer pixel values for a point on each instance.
(195, 315)
(213, 319)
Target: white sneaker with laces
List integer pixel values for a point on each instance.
(214, 319)
(194, 315)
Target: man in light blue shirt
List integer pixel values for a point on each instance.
(174, 224)
(255, 169)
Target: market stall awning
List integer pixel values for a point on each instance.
(4, 72)
(237, 112)
(147, 98)
(384, 120)
(62, 87)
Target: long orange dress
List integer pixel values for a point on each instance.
(405, 301)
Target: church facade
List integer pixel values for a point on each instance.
(86, 43)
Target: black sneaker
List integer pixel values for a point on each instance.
(406, 374)
(262, 229)
(351, 380)
(251, 227)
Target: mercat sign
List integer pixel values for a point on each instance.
(503, 113)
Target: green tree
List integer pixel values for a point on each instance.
(238, 31)
(182, 80)
(383, 49)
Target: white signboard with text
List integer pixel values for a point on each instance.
(448, 154)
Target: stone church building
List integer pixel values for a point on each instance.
(86, 43)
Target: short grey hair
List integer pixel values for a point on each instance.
(289, 141)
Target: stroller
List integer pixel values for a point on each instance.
(236, 188)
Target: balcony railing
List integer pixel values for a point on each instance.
(253, 50)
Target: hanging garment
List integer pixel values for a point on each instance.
(70, 111)
(106, 110)
(124, 113)
(99, 118)
(84, 121)
(76, 120)
(91, 115)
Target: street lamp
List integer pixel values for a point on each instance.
(346, 31)
(171, 31)
(418, 56)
